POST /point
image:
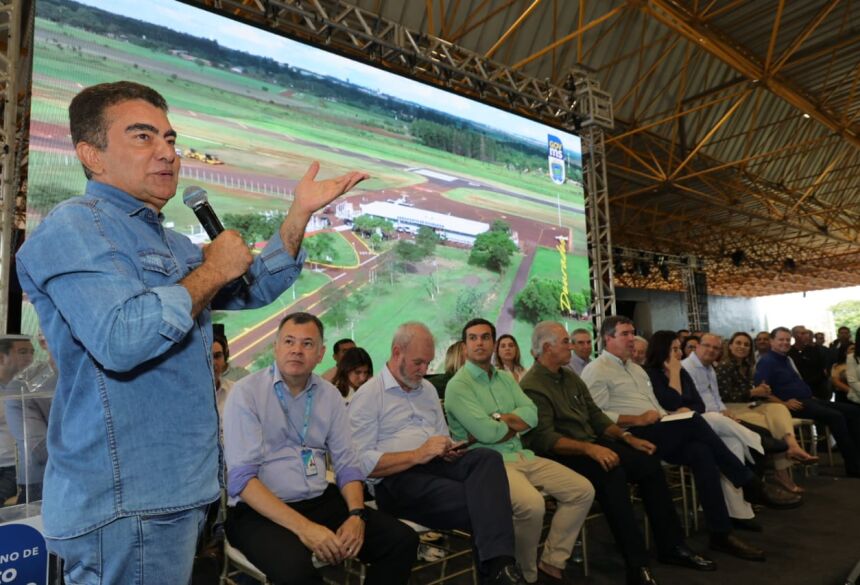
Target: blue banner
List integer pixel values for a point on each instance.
(555, 155)
(23, 556)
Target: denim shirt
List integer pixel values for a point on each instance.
(133, 428)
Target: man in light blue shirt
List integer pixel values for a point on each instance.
(417, 472)
(279, 425)
(487, 405)
(125, 306)
(704, 375)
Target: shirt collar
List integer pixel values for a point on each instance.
(126, 202)
(477, 371)
(614, 358)
(389, 382)
(694, 360)
(544, 371)
(313, 379)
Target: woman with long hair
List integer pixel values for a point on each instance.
(748, 402)
(508, 356)
(354, 369)
(672, 385)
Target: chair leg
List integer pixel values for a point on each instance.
(583, 536)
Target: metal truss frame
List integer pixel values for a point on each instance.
(15, 66)
(365, 36)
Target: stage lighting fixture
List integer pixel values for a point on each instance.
(618, 267)
(789, 264)
(664, 271)
(738, 256)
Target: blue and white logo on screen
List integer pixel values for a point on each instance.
(23, 556)
(555, 154)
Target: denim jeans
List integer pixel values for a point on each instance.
(135, 550)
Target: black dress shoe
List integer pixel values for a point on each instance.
(641, 576)
(747, 524)
(732, 545)
(758, 492)
(683, 556)
(508, 575)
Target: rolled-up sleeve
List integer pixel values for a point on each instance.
(272, 272)
(525, 408)
(243, 441)
(176, 304)
(363, 420)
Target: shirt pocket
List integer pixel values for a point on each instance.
(159, 268)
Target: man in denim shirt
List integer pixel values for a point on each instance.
(125, 306)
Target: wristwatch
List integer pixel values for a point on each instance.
(626, 434)
(496, 416)
(360, 512)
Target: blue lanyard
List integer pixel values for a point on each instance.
(308, 402)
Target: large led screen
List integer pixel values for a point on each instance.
(470, 211)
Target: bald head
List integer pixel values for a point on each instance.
(412, 350)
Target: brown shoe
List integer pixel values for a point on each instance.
(732, 545)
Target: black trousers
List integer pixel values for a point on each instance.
(692, 442)
(389, 548)
(470, 493)
(844, 422)
(613, 494)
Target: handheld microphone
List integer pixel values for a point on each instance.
(196, 200)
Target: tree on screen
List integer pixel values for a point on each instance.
(846, 313)
(493, 250)
(426, 239)
(538, 301)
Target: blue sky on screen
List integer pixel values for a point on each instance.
(246, 38)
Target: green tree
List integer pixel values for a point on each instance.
(337, 309)
(538, 301)
(426, 240)
(493, 250)
(846, 313)
(320, 248)
(368, 225)
(407, 253)
(469, 304)
(500, 225)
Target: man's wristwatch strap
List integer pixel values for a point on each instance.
(360, 512)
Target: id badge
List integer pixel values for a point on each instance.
(309, 462)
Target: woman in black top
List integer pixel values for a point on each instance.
(672, 385)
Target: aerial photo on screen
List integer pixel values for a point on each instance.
(470, 210)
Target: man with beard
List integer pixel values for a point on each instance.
(417, 472)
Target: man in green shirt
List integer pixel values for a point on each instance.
(486, 407)
(573, 430)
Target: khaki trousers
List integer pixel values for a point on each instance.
(774, 417)
(572, 492)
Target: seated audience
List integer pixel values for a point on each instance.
(26, 420)
(810, 362)
(689, 346)
(229, 372)
(508, 356)
(455, 357)
(219, 366)
(353, 370)
(748, 402)
(762, 344)
(852, 371)
(487, 405)
(676, 392)
(572, 430)
(640, 348)
(581, 350)
(622, 390)
(416, 472)
(279, 425)
(788, 388)
(839, 373)
(340, 347)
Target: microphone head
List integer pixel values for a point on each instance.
(194, 196)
